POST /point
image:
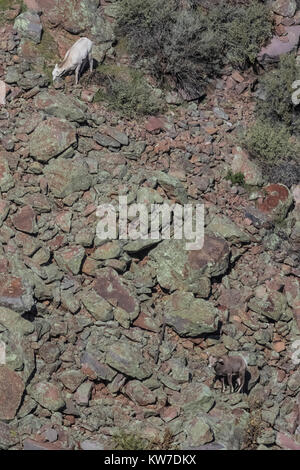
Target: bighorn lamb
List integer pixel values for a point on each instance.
(75, 58)
(227, 367)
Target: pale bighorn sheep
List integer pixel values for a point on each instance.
(228, 367)
(75, 57)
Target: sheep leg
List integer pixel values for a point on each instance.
(223, 384)
(91, 62)
(230, 383)
(77, 70)
(241, 381)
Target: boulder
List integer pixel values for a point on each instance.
(127, 358)
(48, 395)
(241, 163)
(189, 316)
(279, 46)
(284, 7)
(109, 285)
(15, 293)
(274, 202)
(28, 25)
(11, 392)
(178, 268)
(57, 136)
(67, 176)
(6, 179)
(61, 106)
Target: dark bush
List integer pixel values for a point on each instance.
(243, 30)
(287, 173)
(185, 46)
(277, 89)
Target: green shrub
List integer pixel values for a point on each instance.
(236, 178)
(131, 96)
(269, 141)
(186, 46)
(277, 87)
(246, 33)
(123, 441)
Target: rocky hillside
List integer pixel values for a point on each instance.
(88, 364)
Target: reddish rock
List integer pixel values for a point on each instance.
(155, 124)
(63, 220)
(286, 441)
(168, 413)
(275, 202)
(284, 7)
(278, 47)
(32, 5)
(108, 285)
(241, 163)
(279, 346)
(139, 393)
(146, 322)
(15, 294)
(30, 444)
(70, 258)
(25, 220)
(237, 76)
(11, 392)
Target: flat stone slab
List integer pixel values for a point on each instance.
(56, 135)
(15, 294)
(11, 392)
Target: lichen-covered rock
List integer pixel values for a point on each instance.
(241, 163)
(6, 179)
(275, 202)
(195, 398)
(109, 285)
(225, 227)
(11, 392)
(61, 106)
(277, 47)
(70, 258)
(198, 432)
(12, 321)
(25, 220)
(139, 393)
(28, 25)
(72, 379)
(178, 268)
(8, 435)
(56, 135)
(273, 306)
(15, 293)
(67, 176)
(284, 7)
(189, 316)
(97, 305)
(128, 359)
(172, 186)
(95, 369)
(48, 395)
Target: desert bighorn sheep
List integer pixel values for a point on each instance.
(227, 367)
(74, 58)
